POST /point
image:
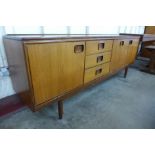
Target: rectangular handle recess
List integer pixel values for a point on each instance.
(101, 46)
(98, 71)
(130, 42)
(99, 58)
(78, 48)
(121, 43)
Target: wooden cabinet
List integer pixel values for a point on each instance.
(55, 68)
(124, 53)
(49, 68)
(132, 50)
(119, 52)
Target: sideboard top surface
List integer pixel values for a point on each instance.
(63, 37)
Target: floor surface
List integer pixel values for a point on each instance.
(6, 88)
(117, 103)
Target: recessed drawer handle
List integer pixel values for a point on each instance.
(101, 46)
(78, 48)
(98, 71)
(130, 42)
(121, 43)
(99, 58)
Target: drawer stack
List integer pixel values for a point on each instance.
(98, 57)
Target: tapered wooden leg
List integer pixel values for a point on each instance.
(126, 71)
(60, 109)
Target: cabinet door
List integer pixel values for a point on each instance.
(119, 55)
(114, 65)
(123, 55)
(132, 50)
(55, 68)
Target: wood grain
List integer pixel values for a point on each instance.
(92, 47)
(97, 59)
(119, 54)
(55, 69)
(149, 30)
(114, 65)
(76, 90)
(123, 53)
(132, 51)
(91, 74)
(18, 70)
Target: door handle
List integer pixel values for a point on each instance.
(101, 46)
(98, 71)
(99, 58)
(130, 42)
(78, 48)
(121, 43)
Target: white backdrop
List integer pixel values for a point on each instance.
(63, 30)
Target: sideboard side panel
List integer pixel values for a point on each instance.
(18, 70)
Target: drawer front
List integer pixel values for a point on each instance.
(98, 46)
(95, 72)
(97, 59)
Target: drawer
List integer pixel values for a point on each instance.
(95, 72)
(97, 59)
(98, 46)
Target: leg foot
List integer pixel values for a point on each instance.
(60, 109)
(126, 71)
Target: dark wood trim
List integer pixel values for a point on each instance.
(63, 37)
(131, 34)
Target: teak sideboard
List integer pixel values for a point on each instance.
(48, 68)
